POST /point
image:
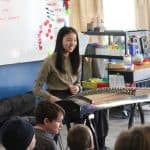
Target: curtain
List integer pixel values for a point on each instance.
(82, 12)
(142, 13)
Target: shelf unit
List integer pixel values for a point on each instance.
(138, 32)
(141, 38)
(130, 76)
(104, 56)
(140, 74)
(109, 33)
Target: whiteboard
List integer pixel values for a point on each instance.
(28, 29)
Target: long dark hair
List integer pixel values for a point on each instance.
(59, 49)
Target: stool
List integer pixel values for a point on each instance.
(89, 121)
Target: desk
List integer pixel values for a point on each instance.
(110, 100)
(133, 101)
(125, 101)
(88, 102)
(138, 74)
(118, 100)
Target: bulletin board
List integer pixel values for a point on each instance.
(28, 29)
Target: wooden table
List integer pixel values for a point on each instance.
(110, 100)
(105, 101)
(138, 74)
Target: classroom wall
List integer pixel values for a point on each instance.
(28, 31)
(18, 78)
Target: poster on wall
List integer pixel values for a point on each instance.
(28, 29)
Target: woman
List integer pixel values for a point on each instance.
(61, 70)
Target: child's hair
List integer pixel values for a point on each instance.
(80, 138)
(137, 138)
(47, 109)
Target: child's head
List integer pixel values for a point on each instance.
(50, 116)
(80, 138)
(136, 138)
(18, 134)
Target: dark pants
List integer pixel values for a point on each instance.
(61, 93)
(101, 127)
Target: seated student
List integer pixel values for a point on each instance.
(49, 117)
(17, 134)
(80, 138)
(137, 138)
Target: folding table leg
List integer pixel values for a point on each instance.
(141, 113)
(130, 123)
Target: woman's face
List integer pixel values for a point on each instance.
(55, 125)
(69, 42)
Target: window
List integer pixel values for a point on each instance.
(119, 14)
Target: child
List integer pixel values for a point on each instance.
(80, 138)
(49, 117)
(138, 138)
(18, 134)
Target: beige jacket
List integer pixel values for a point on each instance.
(53, 78)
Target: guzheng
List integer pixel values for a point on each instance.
(74, 105)
(110, 94)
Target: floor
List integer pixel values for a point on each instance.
(116, 125)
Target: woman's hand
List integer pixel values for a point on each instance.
(54, 98)
(74, 89)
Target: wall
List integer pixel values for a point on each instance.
(28, 31)
(17, 78)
